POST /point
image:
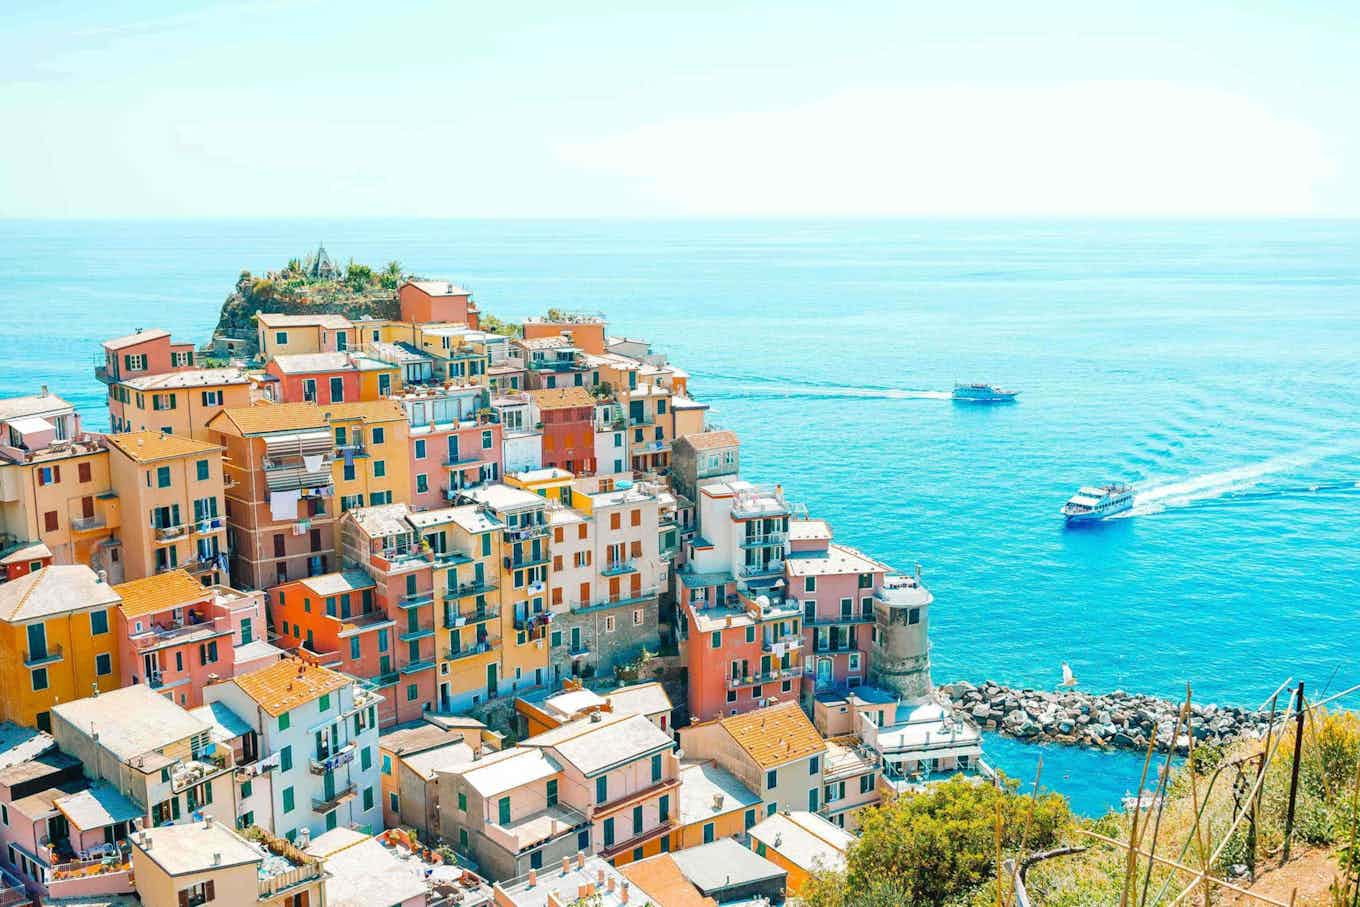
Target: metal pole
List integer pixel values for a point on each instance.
(1294, 772)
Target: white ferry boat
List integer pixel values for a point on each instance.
(1096, 503)
(983, 393)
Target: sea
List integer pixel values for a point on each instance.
(1214, 365)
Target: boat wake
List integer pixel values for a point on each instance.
(810, 391)
(1233, 483)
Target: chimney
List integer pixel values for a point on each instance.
(217, 858)
(43, 391)
(596, 717)
(533, 878)
(566, 865)
(599, 875)
(623, 892)
(581, 859)
(609, 884)
(102, 576)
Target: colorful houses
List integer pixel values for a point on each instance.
(320, 333)
(57, 641)
(567, 416)
(425, 301)
(317, 731)
(335, 377)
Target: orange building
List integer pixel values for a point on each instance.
(585, 332)
(426, 301)
(567, 415)
(171, 488)
(279, 511)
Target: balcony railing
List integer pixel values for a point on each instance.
(480, 648)
(208, 524)
(466, 589)
(766, 540)
(298, 875)
(767, 569)
(420, 631)
(515, 563)
(453, 621)
(324, 804)
(840, 619)
(88, 523)
(791, 641)
(35, 657)
(619, 601)
(389, 679)
(461, 459)
(416, 667)
(828, 647)
(165, 533)
(618, 568)
(416, 600)
(523, 533)
(330, 761)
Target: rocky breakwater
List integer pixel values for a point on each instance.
(1108, 720)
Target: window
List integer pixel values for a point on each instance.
(809, 584)
(812, 800)
(637, 820)
(162, 476)
(601, 789)
(288, 802)
(814, 765)
(462, 799)
(354, 647)
(50, 521)
(503, 811)
(609, 832)
(83, 472)
(103, 664)
(583, 839)
(637, 617)
(422, 483)
(708, 832)
(412, 692)
(866, 783)
(48, 475)
(368, 798)
(39, 679)
(202, 470)
(285, 720)
(751, 633)
(486, 440)
(247, 788)
(771, 779)
(196, 894)
(552, 792)
(914, 616)
(286, 759)
(716, 639)
(656, 768)
(99, 623)
(750, 819)
(212, 398)
(386, 764)
(379, 469)
(394, 802)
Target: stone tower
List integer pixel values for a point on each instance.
(901, 654)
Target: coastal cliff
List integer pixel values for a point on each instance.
(305, 286)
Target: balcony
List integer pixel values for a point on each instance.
(515, 563)
(295, 876)
(533, 621)
(466, 589)
(840, 620)
(351, 451)
(450, 558)
(416, 600)
(156, 636)
(330, 761)
(415, 667)
(838, 647)
(480, 648)
(209, 525)
(166, 533)
(324, 803)
(770, 568)
(454, 621)
(766, 540)
(618, 568)
(421, 631)
(389, 679)
(88, 523)
(620, 601)
(453, 462)
(524, 533)
(34, 658)
(791, 641)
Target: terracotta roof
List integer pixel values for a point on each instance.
(131, 339)
(562, 397)
(262, 418)
(664, 884)
(160, 592)
(145, 446)
(775, 735)
(288, 684)
(369, 410)
(54, 590)
(712, 440)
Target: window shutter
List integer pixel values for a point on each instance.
(208, 890)
(184, 898)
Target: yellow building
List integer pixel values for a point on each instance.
(525, 574)
(465, 544)
(54, 484)
(170, 486)
(320, 333)
(178, 402)
(56, 642)
(372, 453)
(551, 483)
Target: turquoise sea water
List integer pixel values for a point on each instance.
(1216, 365)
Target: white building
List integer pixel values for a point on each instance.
(521, 439)
(316, 733)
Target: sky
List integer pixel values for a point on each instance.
(693, 109)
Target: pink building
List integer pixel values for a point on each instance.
(454, 442)
(141, 354)
(834, 586)
(178, 636)
(333, 377)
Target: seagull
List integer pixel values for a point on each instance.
(1069, 679)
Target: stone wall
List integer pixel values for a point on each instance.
(1109, 720)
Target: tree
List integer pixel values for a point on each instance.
(930, 847)
(358, 276)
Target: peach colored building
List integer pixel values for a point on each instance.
(567, 417)
(583, 331)
(180, 402)
(170, 488)
(56, 500)
(279, 502)
(177, 636)
(425, 301)
(146, 352)
(455, 442)
(279, 334)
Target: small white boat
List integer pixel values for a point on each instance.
(1096, 503)
(983, 393)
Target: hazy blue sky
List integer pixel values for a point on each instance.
(462, 109)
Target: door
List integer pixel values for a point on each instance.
(576, 639)
(491, 680)
(453, 449)
(823, 672)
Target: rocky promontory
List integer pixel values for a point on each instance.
(1108, 720)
